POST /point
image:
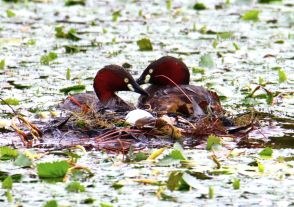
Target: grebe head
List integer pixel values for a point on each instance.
(113, 78)
(166, 71)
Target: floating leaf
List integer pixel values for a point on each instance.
(7, 153)
(268, 1)
(210, 192)
(224, 35)
(116, 15)
(198, 70)
(23, 161)
(105, 205)
(140, 156)
(236, 46)
(73, 49)
(10, 13)
(175, 156)
(282, 76)
(212, 140)
(75, 187)
(252, 15)
(214, 43)
(31, 42)
(51, 203)
(70, 34)
(176, 182)
(75, 2)
(76, 88)
(169, 4)
(9, 196)
(236, 184)
(279, 42)
(117, 185)
(7, 183)
(145, 44)
(88, 201)
(2, 64)
(20, 85)
(68, 74)
(266, 152)
(46, 59)
(206, 61)
(10, 101)
(52, 169)
(199, 6)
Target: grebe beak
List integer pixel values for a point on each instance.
(141, 80)
(139, 90)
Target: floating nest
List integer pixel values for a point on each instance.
(110, 132)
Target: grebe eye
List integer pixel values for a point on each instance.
(130, 87)
(126, 80)
(147, 78)
(150, 71)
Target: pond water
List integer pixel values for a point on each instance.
(224, 51)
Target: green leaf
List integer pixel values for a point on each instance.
(9, 196)
(105, 205)
(23, 161)
(236, 184)
(169, 4)
(51, 203)
(268, 1)
(199, 6)
(199, 175)
(7, 183)
(140, 156)
(75, 187)
(225, 35)
(175, 181)
(212, 140)
(252, 15)
(175, 156)
(282, 76)
(46, 59)
(117, 185)
(210, 192)
(10, 101)
(76, 88)
(178, 152)
(88, 201)
(214, 43)
(75, 2)
(198, 70)
(266, 152)
(7, 153)
(145, 44)
(260, 167)
(31, 42)
(71, 34)
(70, 49)
(236, 46)
(116, 15)
(56, 169)
(206, 61)
(2, 64)
(68, 74)
(10, 13)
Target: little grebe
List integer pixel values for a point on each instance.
(170, 91)
(108, 80)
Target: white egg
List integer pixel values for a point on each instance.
(135, 115)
